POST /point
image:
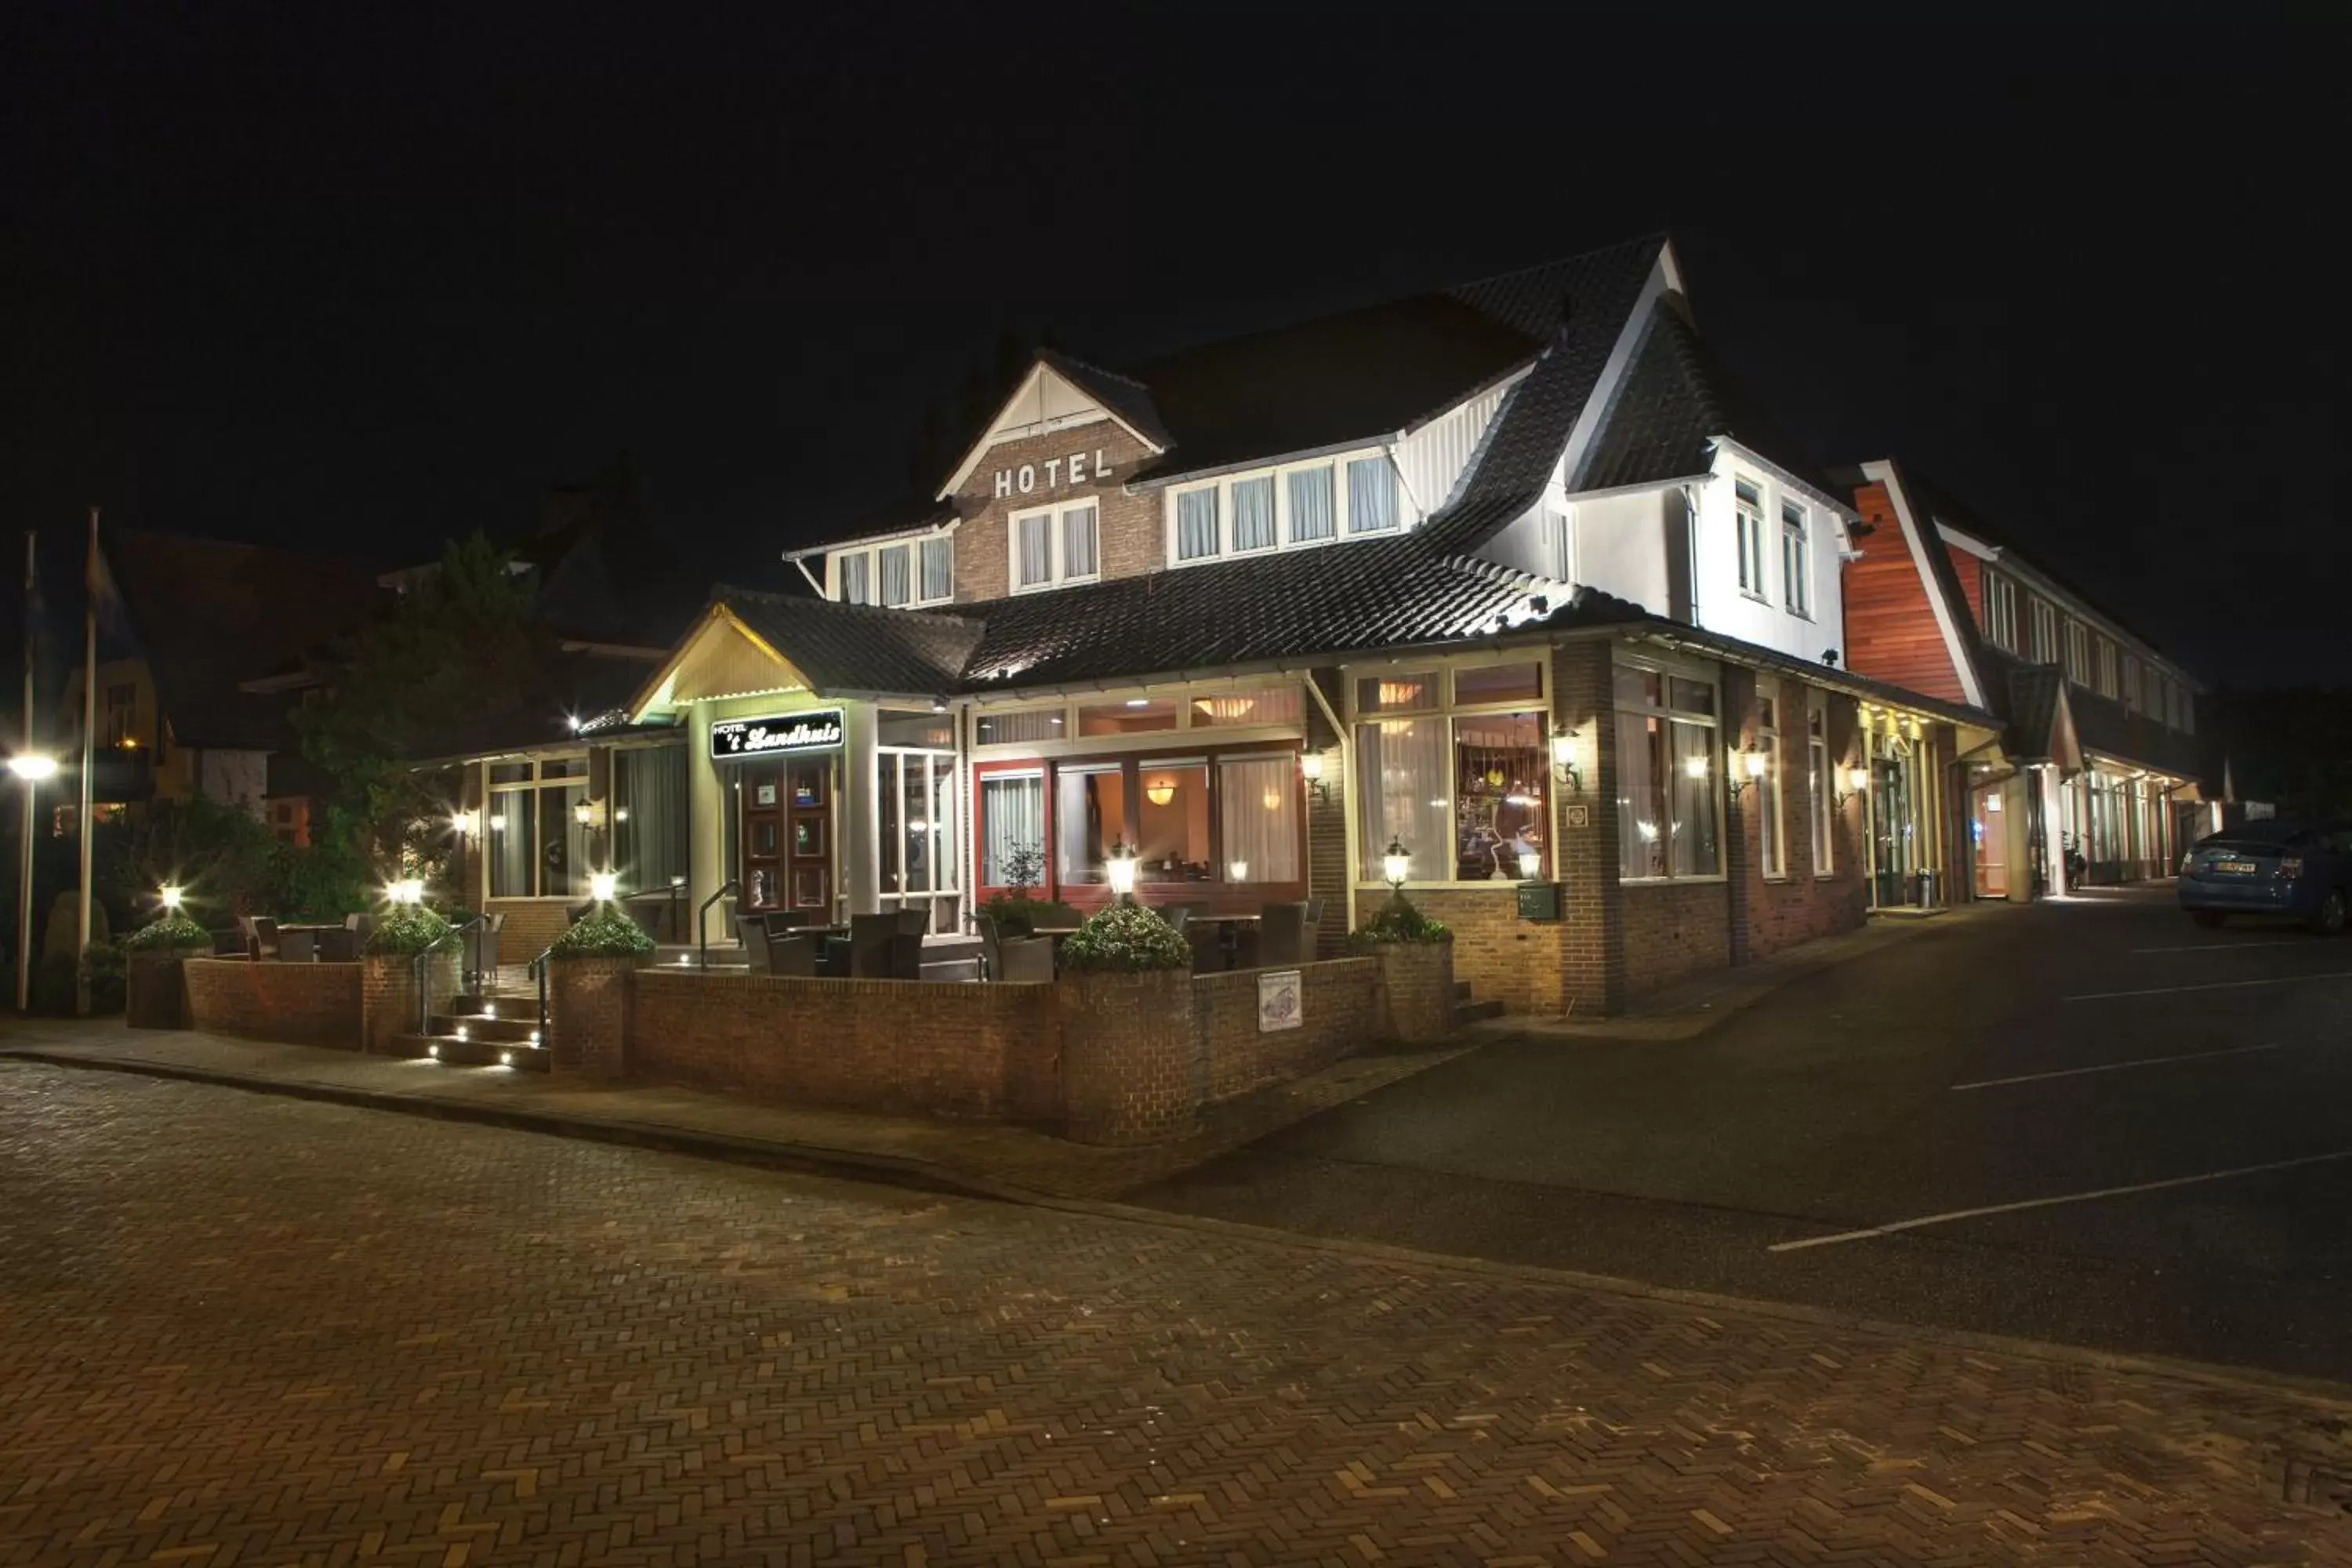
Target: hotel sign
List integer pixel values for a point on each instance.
(785, 734)
(1054, 473)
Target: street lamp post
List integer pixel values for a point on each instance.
(30, 768)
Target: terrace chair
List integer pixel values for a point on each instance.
(1013, 958)
(297, 946)
(753, 934)
(1283, 935)
(364, 924)
(260, 936)
(792, 956)
(882, 947)
(339, 946)
(229, 944)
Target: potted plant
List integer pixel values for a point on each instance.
(155, 989)
(1128, 1069)
(1416, 957)
(588, 979)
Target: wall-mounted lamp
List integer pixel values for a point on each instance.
(1696, 764)
(588, 813)
(1159, 791)
(1119, 867)
(1396, 862)
(1563, 760)
(1857, 780)
(466, 821)
(1530, 865)
(497, 822)
(1310, 768)
(1753, 765)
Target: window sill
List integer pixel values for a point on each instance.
(1753, 598)
(1711, 877)
(1490, 885)
(1045, 587)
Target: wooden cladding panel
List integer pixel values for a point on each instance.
(1891, 632)
(1971, 571)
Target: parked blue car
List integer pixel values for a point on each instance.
(2270, 869)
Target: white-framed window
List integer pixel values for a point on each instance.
(1669, 785)
(1820, 787)
(2001, 612)
(2133, 702)
(1773, 850)
(2109, 685)
(2045, 633)
(2078, 653)
(1748, 525)
(1054, 546)
(1289, 506)
(1453, 763)
(1221, 708)
(900, 575)
(1796, 561)
(535, 846)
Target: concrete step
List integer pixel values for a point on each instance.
(1470, 1012)
(513, 1026)
(1462, 991)
(451, 1051)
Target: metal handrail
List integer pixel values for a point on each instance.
(702, 923)
(424, 979)
(538, 971)
(470, 979)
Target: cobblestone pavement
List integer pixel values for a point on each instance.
(242, 1329)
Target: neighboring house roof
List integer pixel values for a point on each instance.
(1675, 401)
(208, 614)
(2035, 700)
(857, 649)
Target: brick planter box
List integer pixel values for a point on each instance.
(1129, 1066)
(588, 1014)
(1416, 990)
(156, 990)
(293, 1004)
(388, 1002)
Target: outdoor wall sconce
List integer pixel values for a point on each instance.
(465, 822)
(1857, 780)
(497, 822)
(1696, 766)
(1310, 768)
(1563, 760)
(602, 886)
(588, 813)
(1530, 865)
(1396, 861)
(1119, 867)
(1753, 764)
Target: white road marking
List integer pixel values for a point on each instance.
(2226, 946)
(2216, 985)
(1902, 1225)
(2109, 1066)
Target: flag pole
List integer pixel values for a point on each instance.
(89, 741)
(24, 891)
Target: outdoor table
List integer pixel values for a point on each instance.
(1229, 936)
(299, 944)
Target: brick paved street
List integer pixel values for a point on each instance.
(243, 1329)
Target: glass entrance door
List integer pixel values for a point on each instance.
(787, 837)
(1991, 828)
(1893, 806)
(917, 847)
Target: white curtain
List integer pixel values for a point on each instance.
(1036, 549)
(854, 571)
(1642, 827)
(650, 784)
(1078, 541)
(1311, 510)
(1252, 513)
(895, 583)
(1693, 800)
(1372, 496)
(939, 568)
(1401, 763)
(1258, 811)
(1011, 818)
(1196, 524)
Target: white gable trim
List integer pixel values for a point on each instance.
(2097, 620)
(1971, 685)
(1006, 427)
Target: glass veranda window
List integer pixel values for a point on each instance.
(1258, 812)
(1667, 784)
(1402, 766)
(1089, 818)
(1012, 831)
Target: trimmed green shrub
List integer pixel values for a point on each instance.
(1017, 915)
(605, 931)
(1397, 921)
(172, 932)
(408, 929)
(101, 970)
(1124, 938)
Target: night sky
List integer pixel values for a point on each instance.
(359, 278)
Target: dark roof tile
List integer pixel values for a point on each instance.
(852, 649)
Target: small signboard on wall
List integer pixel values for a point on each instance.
(1281, 1001)
(785, 734)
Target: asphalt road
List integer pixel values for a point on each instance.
(1942, 1075)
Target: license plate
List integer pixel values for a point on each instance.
(2231, 868)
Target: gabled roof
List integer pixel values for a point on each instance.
(1123, 398)
(907, 515)
(208, 614)
(856, 649)
(1675, 401)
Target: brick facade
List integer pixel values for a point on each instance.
(1132, 1072)
(1130, 537)
(293, 1004)
(588, 1015)
(531, 925)
(1341, 1009)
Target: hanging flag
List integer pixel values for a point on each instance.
(106, 606)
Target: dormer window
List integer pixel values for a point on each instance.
(905, 573)
(1060, 544)
(1286, 507)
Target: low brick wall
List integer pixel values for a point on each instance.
(588, 1014)
(989, 1051)
(1339, 1013)
(388, 1000)
(294, 1003)
(1133, 1066)
(1416, 990)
